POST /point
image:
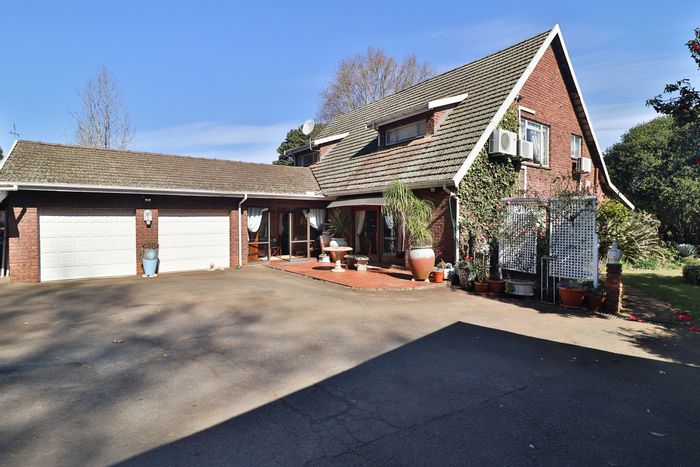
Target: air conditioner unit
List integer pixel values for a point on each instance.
(584, 165)
(526, 150)
(503, 143)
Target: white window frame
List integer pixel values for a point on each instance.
(420, 132)
(578, 139)
(527, 124)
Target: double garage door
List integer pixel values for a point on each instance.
(85, 243)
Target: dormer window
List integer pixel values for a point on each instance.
(407, 132)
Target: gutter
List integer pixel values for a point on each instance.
(455, 220)
(240, 234)
(5, 190)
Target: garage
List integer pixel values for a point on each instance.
(194, 240)
(86, 243)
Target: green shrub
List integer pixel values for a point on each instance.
(636, 233)
(691, 273)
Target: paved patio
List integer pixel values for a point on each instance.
(375, 278)
(259, 366)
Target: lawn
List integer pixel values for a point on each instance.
(667, 285)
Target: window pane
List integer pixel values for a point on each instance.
(545, 145)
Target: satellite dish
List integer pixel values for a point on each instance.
(308, 127)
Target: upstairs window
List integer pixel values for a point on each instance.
(575, 147)
(305, 160)
(405, 132)
(538, 135)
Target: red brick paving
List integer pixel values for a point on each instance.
(374, 278)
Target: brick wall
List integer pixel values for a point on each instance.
(144, 233)
(546, 93)
(440, 224)
(23, 245)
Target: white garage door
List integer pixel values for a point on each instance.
(191, 240)
(82, 243)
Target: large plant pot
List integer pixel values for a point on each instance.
(340, 241)
(149, 266)
(595, 302)
(570, 297)
(481, 287)
(520, 288)
(421, 261)
(497, 286)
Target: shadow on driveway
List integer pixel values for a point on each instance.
(467, 395)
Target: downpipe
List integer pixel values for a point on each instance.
(455, 220)
(240, 234)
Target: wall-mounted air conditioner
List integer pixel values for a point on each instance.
(584, 165)
(503, 143)
(526, 150)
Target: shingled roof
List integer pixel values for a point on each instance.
(46, 164)
(355, 164)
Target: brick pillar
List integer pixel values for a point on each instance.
(234, 237)
(144, 234)
(23, 245)
(613, 288)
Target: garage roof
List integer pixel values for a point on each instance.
(32, 163)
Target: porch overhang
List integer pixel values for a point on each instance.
(364, 201)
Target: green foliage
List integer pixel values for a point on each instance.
(339, 222)
(681, 101)
(294, 139)
(481, 193)
(691, 273)
(650, 166)
(414, 213)
(685, 250)
(636, 233)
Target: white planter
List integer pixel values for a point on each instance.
(421, 261)
(520, 288)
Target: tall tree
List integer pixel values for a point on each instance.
(103, 121)
(367, 77)
(294, 139)
(649, 165)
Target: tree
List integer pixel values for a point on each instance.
(294, 139)
(103, 122)
(367, 77)
(682, 101)
(649, 165)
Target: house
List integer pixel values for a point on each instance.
(79, 212)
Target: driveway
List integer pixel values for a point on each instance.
(259, 366)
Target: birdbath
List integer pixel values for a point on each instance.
(340, 252)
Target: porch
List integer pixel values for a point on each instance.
(375, 278)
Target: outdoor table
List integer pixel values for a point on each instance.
(340, 252)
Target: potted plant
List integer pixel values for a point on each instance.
(415, 214)
(571, 294)
(149, 258)
(338, 223)
(497, 285)
(464, 272)
(481, 275)
(595, 297)
(439, 273)
(520, 287)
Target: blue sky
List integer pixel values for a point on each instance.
(228, 81)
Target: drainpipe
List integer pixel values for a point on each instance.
(455, 221)
(240, 234)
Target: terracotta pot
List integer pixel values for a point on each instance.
(571, 297)
(497, 286)
(337, 242)
(595, 303)
(481, 287)
(438, 277)
(421, 261)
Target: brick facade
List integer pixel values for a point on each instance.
(546, 93)
(25, 207)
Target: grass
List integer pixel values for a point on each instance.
(667, 285)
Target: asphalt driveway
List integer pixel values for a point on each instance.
(263, 367)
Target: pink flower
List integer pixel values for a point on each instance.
(694, 329)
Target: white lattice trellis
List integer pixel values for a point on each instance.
(572, 238)
(517, 246)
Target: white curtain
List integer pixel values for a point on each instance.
(254, 219)
(359, 228)
(317, 217)
(389, 221)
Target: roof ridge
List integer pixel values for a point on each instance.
(150, 153)
(451, 70)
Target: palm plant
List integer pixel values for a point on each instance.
(411, 213)
(339, 222)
